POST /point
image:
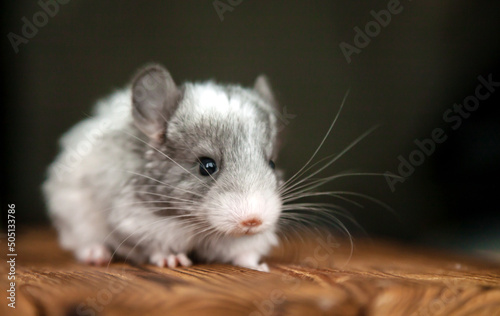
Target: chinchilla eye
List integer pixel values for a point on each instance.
(271, 164)
(207, 166)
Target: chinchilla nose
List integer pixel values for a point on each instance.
(251, 222)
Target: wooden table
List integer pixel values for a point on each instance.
(314, 276)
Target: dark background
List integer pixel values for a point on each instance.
(426, 59)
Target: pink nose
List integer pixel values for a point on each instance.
(251, 222)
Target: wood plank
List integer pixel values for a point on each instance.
(314, 275)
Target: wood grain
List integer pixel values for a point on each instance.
(309, 276)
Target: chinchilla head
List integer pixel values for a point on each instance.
(210, 153)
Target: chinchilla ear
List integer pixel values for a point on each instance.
(155, 97)
(263, 88)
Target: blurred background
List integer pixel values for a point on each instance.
(403, 76)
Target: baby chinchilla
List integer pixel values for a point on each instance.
(161, 171)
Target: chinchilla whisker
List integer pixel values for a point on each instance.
(140, 186)
(314, 183)
(175, 203)
(334, 194)
(165, 196)
(327, 211)
(169, 158)
(137, 231)
(340, 197)
(304, 218)
(172, 203)
(142, 203)
(311, 184)
(158, 209)
(324, 208)
(282, 234)
(357, 194)
(320, 145)
(156, 186)
(293, 226)
(305, 223)
(217, 235)
(166, 184)
(154, 209)
(369, 198)
(131, 204)
(145, 234)
(328, 207)
(304, 214)
(283, 186)
(297, 223)
(201, 229)
(299, 196)
(345, 150)
(207, 230)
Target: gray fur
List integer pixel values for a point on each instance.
(138, 191)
